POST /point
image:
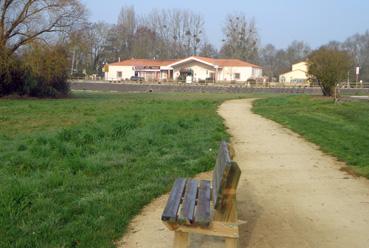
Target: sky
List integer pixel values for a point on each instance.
(278, 22)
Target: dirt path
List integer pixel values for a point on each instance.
(290, 193)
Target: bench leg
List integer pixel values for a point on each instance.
(231, 243)
(180, 239)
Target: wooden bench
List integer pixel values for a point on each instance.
(204, 207)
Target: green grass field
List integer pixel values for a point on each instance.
(339, 129)
(75, 171)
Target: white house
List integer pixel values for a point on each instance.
(298, 75)
(196, 68)
(151, 70)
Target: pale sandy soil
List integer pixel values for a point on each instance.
(291, 194)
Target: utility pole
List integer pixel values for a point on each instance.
(73, 61)
(348, 79)
(357, 75)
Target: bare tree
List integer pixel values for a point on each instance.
(208, 50)
(78, 44)
(358, 47)
(278, 61)
(179, 32)
(241, 38)
(144, 43)
(23, 21)
(194, 25)
(297, 51)
(125, 31)
(268, 55)
(98, 34)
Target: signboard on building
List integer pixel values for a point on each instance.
(138, 68)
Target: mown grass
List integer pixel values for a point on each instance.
(73, 172)
(339, 129)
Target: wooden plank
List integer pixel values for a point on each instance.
(187, 212)
(220, 174)
(233, 177)
(228, 190)
(229, 212)
(202, 216)
(174, 200)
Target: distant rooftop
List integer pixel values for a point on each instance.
(154, 62)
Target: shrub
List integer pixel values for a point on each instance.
(11, 74)
(329, 66)
(40, 72)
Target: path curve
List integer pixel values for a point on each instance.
(291, 194)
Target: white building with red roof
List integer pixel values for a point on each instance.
(194, 68)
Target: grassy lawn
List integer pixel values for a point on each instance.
(339, 129)
(74, 172)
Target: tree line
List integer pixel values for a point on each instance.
(173, 33)
(38, 37)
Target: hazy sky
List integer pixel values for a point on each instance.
(279, 22)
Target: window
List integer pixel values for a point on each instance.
(119, 74)
(237, 76)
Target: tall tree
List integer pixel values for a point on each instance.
(179, 32)
(278, 61)
(268, 58)
(125, 31)
(98, 34)
(329, 67)
(358, 46)
(241, 38)
(23, 21)
(144, 43)
(208, 50)
(297, 51)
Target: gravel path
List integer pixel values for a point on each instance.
(291, 194)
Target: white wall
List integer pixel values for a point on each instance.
(300, 66)
(200, 70)
(289, 76)
(228, 73)
(127, 72)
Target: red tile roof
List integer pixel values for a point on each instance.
(143, 62)
(227, 62)
(152, 62)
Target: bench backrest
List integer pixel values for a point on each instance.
(225, 177)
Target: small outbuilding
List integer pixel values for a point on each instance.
(298, 75)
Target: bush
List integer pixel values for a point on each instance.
(11, 75)
(329, 66)
(40, 72)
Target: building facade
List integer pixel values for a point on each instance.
(191, 69)
(150, 70)
(298, 74)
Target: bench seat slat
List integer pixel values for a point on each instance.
(202, 217)
(174, 201)
(187, 211)
(220, 174)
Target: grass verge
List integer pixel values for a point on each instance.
(75, 171)
(341, 130)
